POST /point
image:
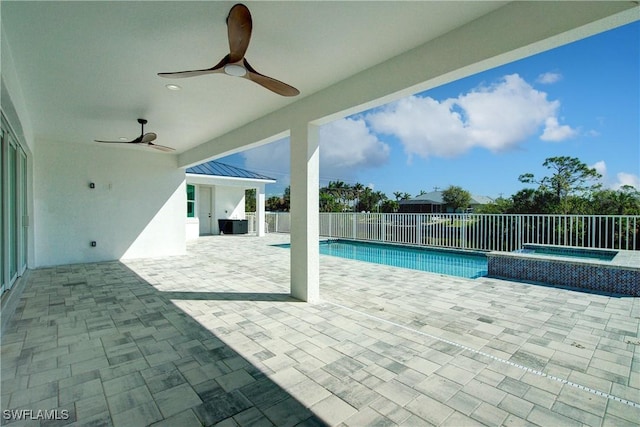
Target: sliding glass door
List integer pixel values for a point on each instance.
(24, 218)
(12, 211)
(13, 207)
(3, 180)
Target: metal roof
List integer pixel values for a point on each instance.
(214, 168)
(435, 198)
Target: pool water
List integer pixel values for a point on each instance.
(587, 254)
(432, 260)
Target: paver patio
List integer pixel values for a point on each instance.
(212, 338)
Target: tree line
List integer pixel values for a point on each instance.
(570, 187)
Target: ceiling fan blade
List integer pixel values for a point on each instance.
(239, 27)
(270, 83)
(143, 139)
(148, 137)
(218, 68)
(160, 147)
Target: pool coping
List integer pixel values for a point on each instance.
(628, 260)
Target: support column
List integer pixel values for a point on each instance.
(305, 217)
(260, 212)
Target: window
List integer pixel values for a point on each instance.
(191, 201)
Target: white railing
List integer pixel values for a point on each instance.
(490, 232)
(275, 222)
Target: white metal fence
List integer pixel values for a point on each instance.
(492, 232)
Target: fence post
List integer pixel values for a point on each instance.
(520, 243)
(354, 227)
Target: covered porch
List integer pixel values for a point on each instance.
(69, 200)
(111, 316)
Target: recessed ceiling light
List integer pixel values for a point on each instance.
(173, 87)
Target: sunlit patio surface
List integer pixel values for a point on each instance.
(212, 338)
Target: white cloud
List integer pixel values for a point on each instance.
(496, 117)
(555, 132)
(624, 178)
(423, 125)
(600, 167)
(346, 146)
(549, 78)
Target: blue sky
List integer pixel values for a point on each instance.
(580, 100)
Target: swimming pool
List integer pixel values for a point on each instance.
(592, 269)
(568, 252)
(452, 263)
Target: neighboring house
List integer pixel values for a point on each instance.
(432, 203)
(217, 191)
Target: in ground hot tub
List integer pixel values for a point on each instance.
(604, 270)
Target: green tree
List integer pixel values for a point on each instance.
(625, 201)
(273, 204)
(371, 201)
(456, 198)
(328, 202)
(569, 177)
(341, 191)
(499, 206)
(532, 201)
(279, 203)
(357, 191)
(401, 196)
(250, 200)
(368, 200)
(389, 206)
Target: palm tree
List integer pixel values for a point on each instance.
(357, 189)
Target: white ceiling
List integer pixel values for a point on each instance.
(88, 70)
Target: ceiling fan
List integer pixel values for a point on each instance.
(144, 139)
(239, 26)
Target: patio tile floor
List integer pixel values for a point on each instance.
(212, 338)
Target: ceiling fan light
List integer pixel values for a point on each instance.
(235, 70)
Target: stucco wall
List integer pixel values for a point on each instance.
(229, 203)
(137, 208)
